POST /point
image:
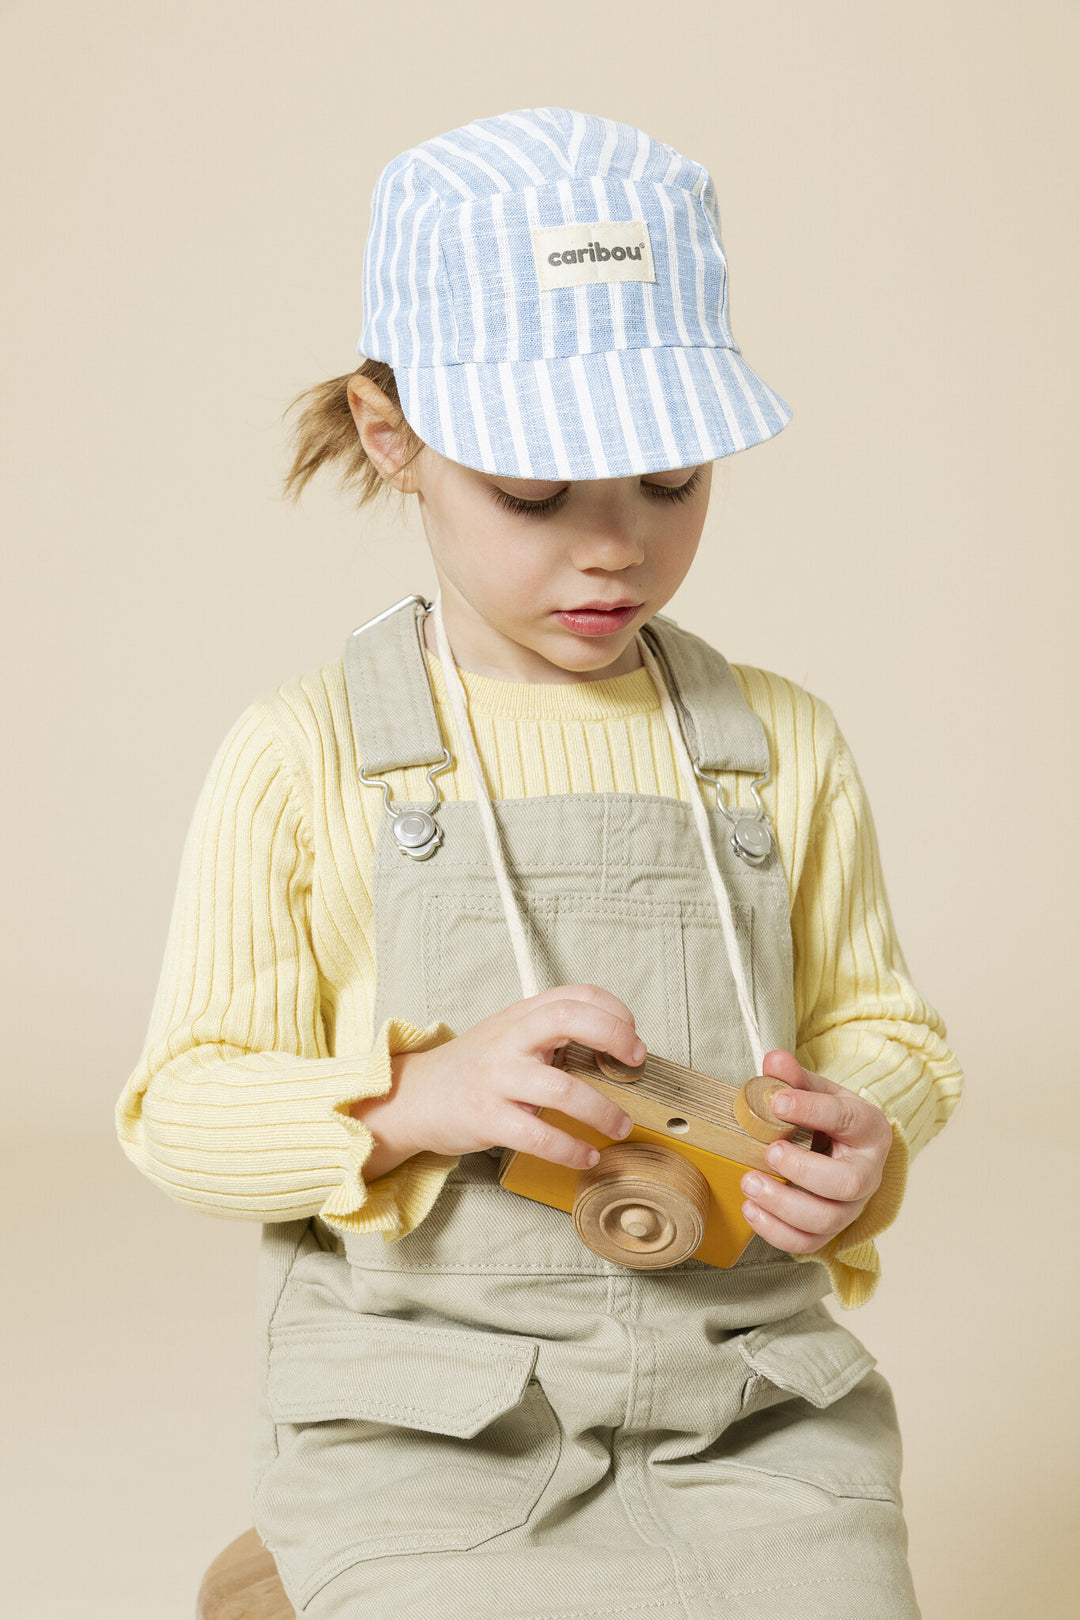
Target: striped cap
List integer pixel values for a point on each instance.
(551, 291)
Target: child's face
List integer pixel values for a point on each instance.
(525, 592)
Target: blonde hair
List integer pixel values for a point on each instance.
(325, 433)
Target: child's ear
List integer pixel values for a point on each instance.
(384, 433)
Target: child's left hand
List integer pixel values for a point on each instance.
(830, 1189)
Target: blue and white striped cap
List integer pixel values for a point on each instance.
(551, 291)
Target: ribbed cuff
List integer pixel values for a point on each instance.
(851, 1257)
(398, 1201)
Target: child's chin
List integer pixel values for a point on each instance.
(586, 655)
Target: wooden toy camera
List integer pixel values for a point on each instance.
(670, 1190)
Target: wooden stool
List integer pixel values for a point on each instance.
(243, 1584)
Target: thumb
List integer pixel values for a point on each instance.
(781, 1065)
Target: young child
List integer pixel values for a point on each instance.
(539, 813)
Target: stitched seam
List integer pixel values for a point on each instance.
(272, 1313)
(632, 1493)
(330, 1411)
(266, 1346)
(462, 1270)
(552, 905)
(384, 1330)
(855, 1490)
(449, 1540)
(614, 1608)
(824, 1580)
(829, 1390)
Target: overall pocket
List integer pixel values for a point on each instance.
(396, 1436)
(570, 938)
(814, 1409)
(806, 1410)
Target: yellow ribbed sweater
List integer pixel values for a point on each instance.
(261, 1033)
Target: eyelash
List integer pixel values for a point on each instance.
(663, 492)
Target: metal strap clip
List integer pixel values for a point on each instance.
(752, 836)
(416, 832)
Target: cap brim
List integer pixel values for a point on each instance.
(614, 414)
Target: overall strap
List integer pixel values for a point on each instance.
(695, 669)
(722, 732)
(396, 726)
(390, 698)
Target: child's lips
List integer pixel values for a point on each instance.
(594, 619)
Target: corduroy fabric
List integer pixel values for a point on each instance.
(499, 372)
(488, 1413)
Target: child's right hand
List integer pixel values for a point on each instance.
(483, 1089)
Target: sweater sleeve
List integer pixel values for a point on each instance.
(237, 1106)
(860, 1020)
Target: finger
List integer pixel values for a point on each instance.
(838, 1113)
(554, 1023)
(843, 1179)
(517, 1128)
(802, 1211)
(545, 1087)
(593, 994)
(778, 1232)
(781, 1065)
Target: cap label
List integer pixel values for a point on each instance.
(601, 250)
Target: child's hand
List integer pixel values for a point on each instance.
(829, 1189)
(483, 1089)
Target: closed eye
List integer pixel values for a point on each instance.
(529, 508)
(676, 492)
(663, 492)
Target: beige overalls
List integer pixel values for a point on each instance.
(484, 1419)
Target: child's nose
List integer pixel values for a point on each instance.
(609, 544)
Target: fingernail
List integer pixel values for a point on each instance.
(639, 1051)
(751, 1185)
(775, 1153)
(626, 1126)
(749, 1211)
(782, 1104)
(594, 1158)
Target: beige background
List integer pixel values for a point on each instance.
(186, 194)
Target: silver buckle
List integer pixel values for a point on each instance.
(416, 832)
(752, 837)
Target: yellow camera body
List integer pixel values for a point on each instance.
(670, 1190)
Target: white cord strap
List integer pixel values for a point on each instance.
(701, 821)
(519, 938)
(458, 708)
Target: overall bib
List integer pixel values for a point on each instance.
(486, 1420)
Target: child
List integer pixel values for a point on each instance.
(463, 1409)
